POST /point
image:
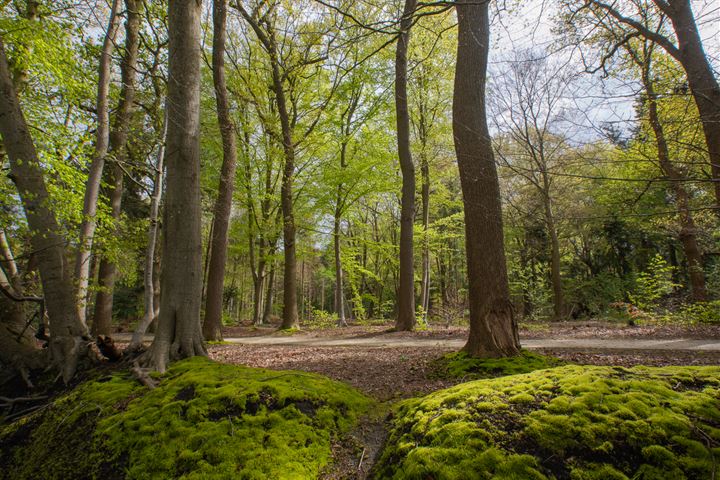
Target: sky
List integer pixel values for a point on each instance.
(530, 25)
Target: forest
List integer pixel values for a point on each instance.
(275, 184)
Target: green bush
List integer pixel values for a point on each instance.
(654, 284)
(320, 319)
(703, 312)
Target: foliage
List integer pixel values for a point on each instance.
(574, 422)
(654, 284)
(320, 319)
(204, 420)
(702, 312)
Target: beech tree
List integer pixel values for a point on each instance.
(67, 331)
(406, 289)
(102, 144)
(686, 48)
(107, 272)
(530, 110)
(493, 328)
(223, 204)
(179, 333)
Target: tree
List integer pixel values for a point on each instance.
(179, 334)
(493, 329)
(102, 319)
(67, 331)
(102, 143)
(287, 73)
(406, 290)
(529, 110)
(346, 130)
(643, 57)
(223, 203)
(687, 49)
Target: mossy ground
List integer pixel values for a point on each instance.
(205, 420)
(461, 365)
(571, 422)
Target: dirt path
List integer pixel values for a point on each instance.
(711, 345)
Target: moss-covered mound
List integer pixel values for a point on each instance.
(461, 365)
(205, 420)
(572, 422)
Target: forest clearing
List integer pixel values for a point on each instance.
(339, 239)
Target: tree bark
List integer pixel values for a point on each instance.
(92, 187)
(339, 300)
(688, 230)
(405, 320)
(555, 276)
(102, 319)
(703, 83)
(67, 331)
(149, 275)
(425, 195)
(269, 295)
(690, 54)
(179, 334)
(212, 328)
(493, 329)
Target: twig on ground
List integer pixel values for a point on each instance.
(362, 457)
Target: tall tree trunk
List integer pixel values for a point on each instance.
(688, 231)
(345, 131)
(269, 295)
(493, 329)
(92, 187)
(339, 300)
(150, 275)
(425, 192)
(212, 328)
(102, 319)
(690, 53)
(555, 277)
(206, 266)
(258, 290)
(405, 320)
(267, 38)
(67, 331)
(179, 334)
(703, 83)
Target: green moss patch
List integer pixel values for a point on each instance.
(571, 422)
(461, 365)
(204, 421)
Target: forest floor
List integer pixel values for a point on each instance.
(391, 366)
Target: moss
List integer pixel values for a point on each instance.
(571, 422)
(461, 365)
(205, 420)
